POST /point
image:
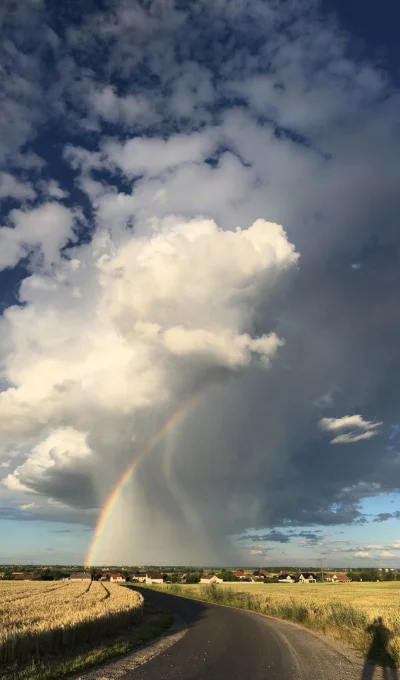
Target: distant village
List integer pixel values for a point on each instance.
(157, 575)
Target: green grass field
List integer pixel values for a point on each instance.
(343, 611)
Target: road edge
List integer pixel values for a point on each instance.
(118, 667)
(349, 653)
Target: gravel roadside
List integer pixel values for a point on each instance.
(111, 670)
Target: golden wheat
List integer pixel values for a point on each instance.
(47, 618)
(374, 599)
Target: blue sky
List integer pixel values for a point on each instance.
(199, 205)
(372, 27)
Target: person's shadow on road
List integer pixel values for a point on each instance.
(378, 654)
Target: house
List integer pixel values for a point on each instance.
(111, 576)
(307, 577)
(140, 578)
(240, 575)
(283, 577)
(154, 577)
(210, 578)
(81, 576)
(260, 574)
(338, 578)
(26, 577)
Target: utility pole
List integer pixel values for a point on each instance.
(321, 564)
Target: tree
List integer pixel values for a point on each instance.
(95, 573)
(366, 575)
(58, 574)
(193, 577)
(47, 575)
(226, 575)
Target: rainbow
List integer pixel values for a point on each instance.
(125, 477)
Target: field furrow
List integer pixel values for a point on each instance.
(46, 620)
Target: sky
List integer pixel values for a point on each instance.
(199, 226)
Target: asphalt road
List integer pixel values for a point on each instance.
(229, 644)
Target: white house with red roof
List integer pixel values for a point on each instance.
(338, 578)
(240, 574)
(210, 578)
(112, 576)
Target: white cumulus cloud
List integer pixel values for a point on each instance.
(10, 187)
(47, 228)
(62, 448)
(121, 329)
(152, 156)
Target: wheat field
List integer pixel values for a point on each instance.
(374, 599)
(39, 619)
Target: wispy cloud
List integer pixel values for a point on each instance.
(384, 516)
(351, 437)
(260, 551)
(352, 423)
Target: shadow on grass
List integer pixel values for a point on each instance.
(378, 654)
(189, 610)
(157, 621)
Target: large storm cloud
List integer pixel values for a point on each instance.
(220, 224)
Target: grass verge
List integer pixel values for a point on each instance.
(155, 622)
(343, 622)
